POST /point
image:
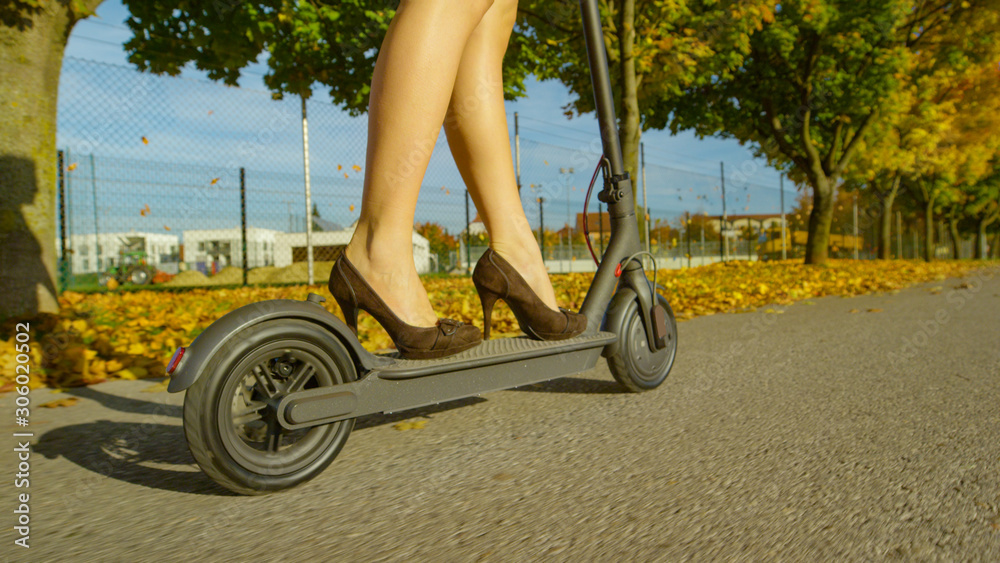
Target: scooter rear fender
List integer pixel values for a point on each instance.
(225, 332)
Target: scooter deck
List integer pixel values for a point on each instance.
(406, 384)
(496, 351)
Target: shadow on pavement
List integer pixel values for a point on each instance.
(156, 455)
(125, 404)
(148, 454)
(574, 385)
(371, 420)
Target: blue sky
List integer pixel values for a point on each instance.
(682, 171)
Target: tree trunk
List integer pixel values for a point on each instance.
(929, 229)
(980, 239)
(31, 55)
(820, 219)
(995, 247)
(885, 222)
(629, 115)
(955, 240)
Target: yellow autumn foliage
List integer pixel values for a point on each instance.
(131, 335)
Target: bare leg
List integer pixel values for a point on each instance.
(476, 126)
(410, 92)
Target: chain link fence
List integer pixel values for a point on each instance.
(186, 182)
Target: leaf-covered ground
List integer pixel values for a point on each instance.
(131, 335)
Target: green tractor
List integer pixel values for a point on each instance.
(131, 267)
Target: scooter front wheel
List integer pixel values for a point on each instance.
(633, 364)
(230, 419)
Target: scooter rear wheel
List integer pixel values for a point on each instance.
(229, 413)
(634, 365)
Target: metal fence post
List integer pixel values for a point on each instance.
(725, 240)
(687, 229)
(305, 162)
(600, 223)
(97, 226)
(468, 236)
(517, 154)
(541, 227)
(63, 254)
(243, 219)
(784, 248)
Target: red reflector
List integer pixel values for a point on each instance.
(618, 271)
(175, 359)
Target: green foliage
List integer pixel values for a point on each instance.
(303, 43)
(677, 45)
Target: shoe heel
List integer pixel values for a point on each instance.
(350, 315)
(487, 300)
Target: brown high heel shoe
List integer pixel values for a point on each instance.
(352, 293)
(495, 279)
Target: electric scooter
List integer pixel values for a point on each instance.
(273, 388)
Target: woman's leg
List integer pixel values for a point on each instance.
(476, 126)
(410, 92)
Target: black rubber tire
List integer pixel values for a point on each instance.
(633, 365)
(220, 449)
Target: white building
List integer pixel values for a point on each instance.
(225, 247)
(93, 254)
(327, 245)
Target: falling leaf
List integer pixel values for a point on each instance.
(356, 168)
(352, 207)
(144, 211)
(874, 310)
(339, 167)
(67, 402)
(214, 181)
(447, 192)
(145, 141)
(345, 175)
(71, 167)
(854, 311)
(210, 112)
(166, 228)
(546, 162)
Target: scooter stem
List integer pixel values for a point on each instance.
(624, 229)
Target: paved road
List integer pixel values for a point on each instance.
(802, 434)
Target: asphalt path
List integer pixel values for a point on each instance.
(834, 429)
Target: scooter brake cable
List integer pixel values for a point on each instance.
(586, 202)
(621, 265)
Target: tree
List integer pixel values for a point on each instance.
(962, 152)
(33, 38)
(655, 49)
(984, 207)
(812, 84)
(954, 48)
(315, 214)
